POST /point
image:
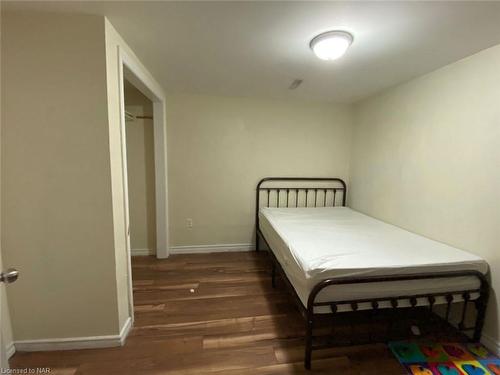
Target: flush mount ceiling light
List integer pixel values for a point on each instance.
(331, 45)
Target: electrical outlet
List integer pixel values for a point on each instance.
(189, 223)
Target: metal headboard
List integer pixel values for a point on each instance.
(286, 192)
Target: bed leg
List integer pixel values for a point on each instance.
(481, 312)
(481, 304)
(256, 240)
(308, 352)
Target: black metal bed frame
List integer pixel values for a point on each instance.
(328, 197)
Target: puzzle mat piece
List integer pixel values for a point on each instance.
(493, 365)
(472, 368)
(407, 352)
(445, 368)
(479, 351)
(457, 352)
(433, 352)
(418, 369)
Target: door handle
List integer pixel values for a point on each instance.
(9, 276)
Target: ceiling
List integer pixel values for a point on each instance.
(258, 48)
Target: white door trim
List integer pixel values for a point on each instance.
(147, 85)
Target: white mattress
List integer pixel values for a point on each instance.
(313, 244)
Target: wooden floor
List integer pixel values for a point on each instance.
(212, 314)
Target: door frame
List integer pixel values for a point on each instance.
(129, 68)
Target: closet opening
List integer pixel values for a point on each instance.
(144, 166)
(139, 135)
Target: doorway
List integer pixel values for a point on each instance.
(141, 170)
(130, 72)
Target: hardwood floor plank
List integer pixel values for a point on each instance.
(200, 292)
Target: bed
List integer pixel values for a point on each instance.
(336, 260)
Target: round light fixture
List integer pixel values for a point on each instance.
(331, 45)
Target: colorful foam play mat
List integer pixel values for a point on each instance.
(429, 358)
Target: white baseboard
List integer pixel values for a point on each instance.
(71, 343)
(197, 249)
(491, 344)
(10, 349)
(141, 252)
(127, 326)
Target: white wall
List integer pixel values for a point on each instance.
(219, 148)
(426, 157)
(62, 189)
(57, 224)
(141, 172)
